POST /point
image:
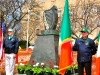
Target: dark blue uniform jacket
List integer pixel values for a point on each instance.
(85, 48)
(11, 45)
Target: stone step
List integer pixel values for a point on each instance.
(75, 74)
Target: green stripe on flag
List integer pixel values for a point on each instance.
(98, 37)
(65, 28)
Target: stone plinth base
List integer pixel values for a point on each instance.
(46, 49)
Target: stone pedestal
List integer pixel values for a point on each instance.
(46, 49)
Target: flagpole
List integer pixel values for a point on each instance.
(73, 64)
(28, 29)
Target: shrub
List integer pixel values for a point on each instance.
(28, 67)
(70, 68)
(76, 66)
(22, 43)
(37, 70)
(21, 69)
(47, 69)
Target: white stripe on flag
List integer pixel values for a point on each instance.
(59, 50)
(98, 50)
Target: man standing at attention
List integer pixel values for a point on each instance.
(85, 48)
(10, 46)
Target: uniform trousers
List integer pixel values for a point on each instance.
(9, 64)
(84, 66)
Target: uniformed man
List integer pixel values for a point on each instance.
(85, 48)
(10, 46)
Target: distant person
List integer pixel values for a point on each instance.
(10, 46)
(85, 48)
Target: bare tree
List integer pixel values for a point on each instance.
(84, 14)
(31, 18)
(15, 11)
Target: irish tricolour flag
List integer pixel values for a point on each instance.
(65, 49)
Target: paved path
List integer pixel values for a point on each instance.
(20, 74)
(25, 74)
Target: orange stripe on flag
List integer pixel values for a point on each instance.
(98, 56)
(98, 66)
(65, 57)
